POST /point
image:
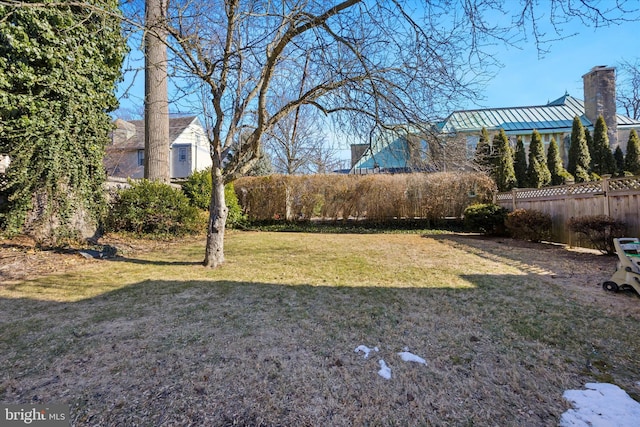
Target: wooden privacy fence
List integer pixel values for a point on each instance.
(618, 198)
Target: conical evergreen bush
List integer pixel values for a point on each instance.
(579, 158)
(504, 174)
(537, 173)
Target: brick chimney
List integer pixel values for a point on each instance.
(600, 98)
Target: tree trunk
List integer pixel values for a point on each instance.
(156, 105)
(218, 211)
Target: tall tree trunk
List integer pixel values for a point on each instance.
(218, 211)
(156, 103)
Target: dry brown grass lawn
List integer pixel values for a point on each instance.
(152, 338)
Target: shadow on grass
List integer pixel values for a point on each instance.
(505, 248)
(226, 344)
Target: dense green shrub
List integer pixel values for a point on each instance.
(486, 218)
(599, 229)
(559, 175)
(236, 217)
(538, 174)
(632, 159)
(579, 163)
(602, 161)
(198, 189)
(520, 163)
(529, 225)
(503, 173)
(153, 208)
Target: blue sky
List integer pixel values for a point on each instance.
(527, 79)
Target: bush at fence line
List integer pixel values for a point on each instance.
(600, 230)
(369, 197)
(198, 189)
(529, 225)
(486, 218)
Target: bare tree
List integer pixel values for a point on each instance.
(368, 63)
(294, 142)
(628, 87)
(156, 102)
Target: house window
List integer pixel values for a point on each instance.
(182, 155)
(140, 157)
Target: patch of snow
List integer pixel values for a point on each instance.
(366, 350)
(601, 405)
(409, 357)
(385, 371)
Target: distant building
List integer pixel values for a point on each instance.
(395, 151)
(189, 148)
(454, 140)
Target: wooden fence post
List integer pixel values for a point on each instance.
(605, 190)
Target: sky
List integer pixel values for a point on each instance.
(526, 78)
(529, 79)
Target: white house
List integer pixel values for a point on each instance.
(189, 148)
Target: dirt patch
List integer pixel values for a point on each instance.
(22, 259)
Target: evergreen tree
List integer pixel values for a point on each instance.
(601, 156)
(579, 158)
(59, 65)
(632, 159)
(503, 173)
(618, 156)
(483, 158)
(520, 163)
(590, 146)
(537, 173)
(557, 171)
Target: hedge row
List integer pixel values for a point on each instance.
(370, 197)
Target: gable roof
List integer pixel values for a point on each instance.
(129, 135)
(554, 116)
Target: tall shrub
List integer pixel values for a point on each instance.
(520, 163)
(618, 157)
(483, 159)
(503, 173)
(632, 159)
(601, 157)
(559, 174)
(537, 173)
(590, 147)
(579, 158)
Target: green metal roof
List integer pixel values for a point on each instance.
(555, 115)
